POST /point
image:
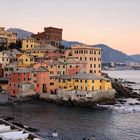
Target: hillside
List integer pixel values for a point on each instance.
(108, 54)
(20, 33)
(136, 57)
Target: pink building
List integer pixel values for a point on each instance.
(29, 81)
(52, 70)
(41, 80)
(17, 77)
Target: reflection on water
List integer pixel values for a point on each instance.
(75, 122)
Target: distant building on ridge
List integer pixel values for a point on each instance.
(50, 35)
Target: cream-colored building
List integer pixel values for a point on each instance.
(10, 36)
(4, 58)
(91, 55)
(29, 43)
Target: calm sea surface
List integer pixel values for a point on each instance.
(131, 75)
(112, 123)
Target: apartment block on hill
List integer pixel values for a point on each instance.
(10, 36)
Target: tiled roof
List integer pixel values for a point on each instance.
(23, 70)
(46, 47)
(83, 76)
(87, 76)
(41, 69)
(83, 46)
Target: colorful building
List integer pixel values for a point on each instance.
(29, 43)
(28, 81)
(84, 82)
(41, 80)
(20, 76)
(91, 55)
(10, 36)
(51, 36)
(41, 50)
(25, 60)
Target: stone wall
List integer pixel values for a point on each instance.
(82, 98)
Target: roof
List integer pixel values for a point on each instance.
(83, 76)
(23, 70)
(10, 56)
(41, 69)
(88, 76)
(11, 65)
(11, 53)
(45, 47)
(25, 83)
(83, 46)
(65, 77)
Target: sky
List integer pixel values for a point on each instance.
(115, 23)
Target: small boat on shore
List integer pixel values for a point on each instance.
(9, 131)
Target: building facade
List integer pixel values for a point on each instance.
(84, 82)
(29, 43)
(51, 35)
(91, 55)
(10, 36)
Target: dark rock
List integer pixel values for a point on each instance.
(131, 104)
(137, 103)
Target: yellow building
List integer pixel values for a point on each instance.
(29, 43)
(25, 60)
(41, 50)
(84, 82)
(91, 55)
(10, 36)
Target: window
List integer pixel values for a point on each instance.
(94, 58)
(85, 81)
(26, 46)
(85, 58)
(91, 71)
(94, 52)
(91, 58)
(70, 66)
(51, 83)
(92, 87)
(81, 58)
(94, 71)
(99, 65)
(58, 66)
(63, 66)
(81, 81)
(76, 66)
(92, 81)
(91, 52)
(85, 51)
(90, 65)
(26, 59)
(94, 65)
